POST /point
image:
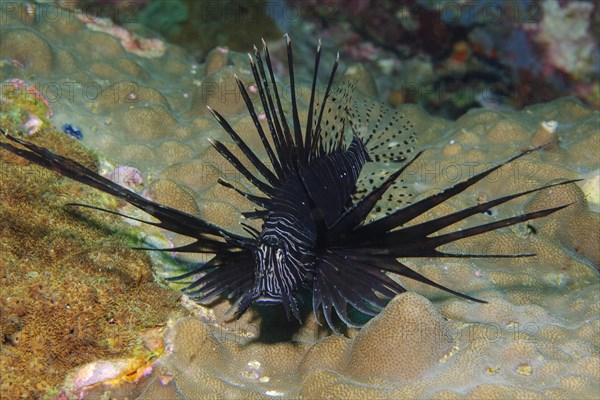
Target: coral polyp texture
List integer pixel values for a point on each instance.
(75, 298)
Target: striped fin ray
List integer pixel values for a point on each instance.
(341, 282)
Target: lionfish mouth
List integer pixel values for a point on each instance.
(267, 300)
(308, 193)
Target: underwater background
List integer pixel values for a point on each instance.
(123, 87)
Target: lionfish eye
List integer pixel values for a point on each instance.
(271, 240)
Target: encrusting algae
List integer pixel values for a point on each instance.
(70, 292)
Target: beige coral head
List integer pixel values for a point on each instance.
(405, 342)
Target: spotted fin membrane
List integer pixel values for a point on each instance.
(388, 135)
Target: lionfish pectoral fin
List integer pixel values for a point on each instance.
(433, 242)
(399, 245)
(404, 215)
(170, 218)
(359, 211)
(111, 212)
(428, 227)
(290, 306)
(242, 304)
(197, 268)
(441, 254)
(379, 263)
(341, 282)
(404, 270)
(194, 247)
(180, 249)
(227, 276)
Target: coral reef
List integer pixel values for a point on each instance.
(537, 337)
(73, 293)
(565, 33)
(450, 56)
(411, 349)
(70, 292)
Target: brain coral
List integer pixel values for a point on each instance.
(401, 345)
(538, 337)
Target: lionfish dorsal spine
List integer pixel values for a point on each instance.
(295, 116)
(286, 127)
(311, 104)
(259, 129)
(279, 164)
(237, 164)
(256, 162)
(320, 149)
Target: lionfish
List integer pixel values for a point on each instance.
(315, 233)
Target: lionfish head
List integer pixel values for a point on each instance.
(282, 263)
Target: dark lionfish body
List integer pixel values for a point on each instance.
(315, 232)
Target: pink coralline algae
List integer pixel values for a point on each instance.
(28, 102)
(26, 92)
(126, 176)
(99, 377)
(143, 47)
(33, 124)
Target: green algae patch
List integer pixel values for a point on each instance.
(71, 289)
